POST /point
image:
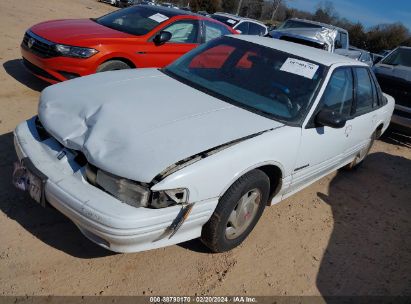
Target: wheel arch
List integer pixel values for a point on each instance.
(273, 170)
(379, 129)
(127, 61)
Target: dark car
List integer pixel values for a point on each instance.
(125, 3)
(394, 76)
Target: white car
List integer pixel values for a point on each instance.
(244, 26)
(141, 159)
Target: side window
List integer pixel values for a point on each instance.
(365, 57)
(256, 29)
(365, 93)
(243, 27)
(344, 40)
(338, 95)
(183, 31)
(214, 30)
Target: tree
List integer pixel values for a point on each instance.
(229, 6)
(325, 13)
(210, 6)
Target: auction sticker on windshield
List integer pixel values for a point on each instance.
(299, 67)
(158, 17)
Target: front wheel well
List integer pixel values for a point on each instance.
(275, 175)
(122, 59)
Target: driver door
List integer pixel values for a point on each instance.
(185, 37)
(322, 148)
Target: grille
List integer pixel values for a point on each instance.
(398, 88)
(38, 46)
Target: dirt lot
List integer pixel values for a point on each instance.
(348, 234)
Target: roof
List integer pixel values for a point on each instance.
(238, 18)
(319, 24)
(319, 56)
(169, 12)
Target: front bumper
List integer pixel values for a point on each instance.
(57, 69)
(99, 216)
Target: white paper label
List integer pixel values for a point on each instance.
(231, 21)
(299, 67)
(158, 17)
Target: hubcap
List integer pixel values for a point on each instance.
(243, 214)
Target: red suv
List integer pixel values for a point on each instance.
(137, 37)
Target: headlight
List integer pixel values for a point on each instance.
(133, 193)
(74, 51)
(123, 189)
(165, 198)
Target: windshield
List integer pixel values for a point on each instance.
(298, 24)
(260, 79)
(137, 20)
(224, 19)
(400, 56)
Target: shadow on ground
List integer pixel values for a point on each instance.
(369, 251)
(47, 224)
(16, 69)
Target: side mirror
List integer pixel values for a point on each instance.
(162, 37)
(330, 119)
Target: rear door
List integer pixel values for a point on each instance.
(365, 116)
(185, 37)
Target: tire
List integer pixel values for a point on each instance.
(237, 212)
(113, 65)
(359, 158)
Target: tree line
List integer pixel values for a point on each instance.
(375, 39)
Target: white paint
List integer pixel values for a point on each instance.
(158, 17)
(299, 67)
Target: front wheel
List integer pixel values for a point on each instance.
(113, 65)
(237, 213)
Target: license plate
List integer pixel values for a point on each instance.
(28, 178)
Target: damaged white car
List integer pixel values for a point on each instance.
(141, 159)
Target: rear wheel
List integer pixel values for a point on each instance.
(237, 213)
(359, 158)
(113, 65)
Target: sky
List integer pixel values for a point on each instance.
(368, 12)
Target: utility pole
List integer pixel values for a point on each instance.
(275, 8)
(240, 3)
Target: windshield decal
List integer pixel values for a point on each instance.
(231, 21)
(299, 67)
(158, 17)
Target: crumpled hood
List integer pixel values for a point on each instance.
(75, 31)
(136, 123)
(397, 71)
(324, 35)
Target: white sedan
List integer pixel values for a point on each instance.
(141, 159)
